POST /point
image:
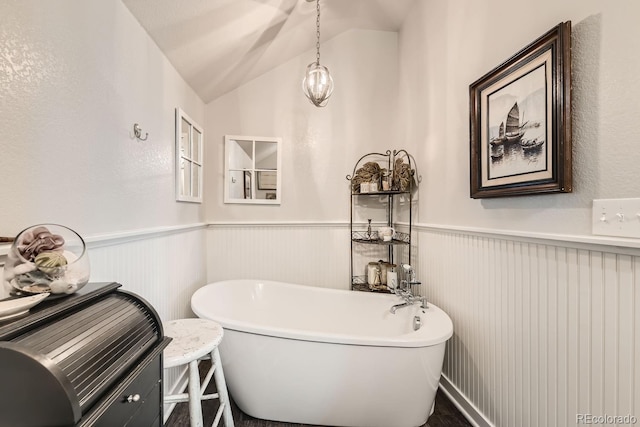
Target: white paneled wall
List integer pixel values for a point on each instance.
(316, 254)
(163, 266)
(543, 331)
(303, 253)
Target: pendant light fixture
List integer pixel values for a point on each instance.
(317, 83)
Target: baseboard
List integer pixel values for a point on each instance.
(467, 409)
(178, 387)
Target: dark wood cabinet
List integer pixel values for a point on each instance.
(91, 359)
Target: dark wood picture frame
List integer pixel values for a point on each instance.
(530, 93)
(247, 184)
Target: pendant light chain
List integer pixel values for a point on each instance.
(318, 32)
(317, 83)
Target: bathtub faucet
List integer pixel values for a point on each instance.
(405, 292)
(397, 306)
(409, 300)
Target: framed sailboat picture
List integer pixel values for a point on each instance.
(520, 121)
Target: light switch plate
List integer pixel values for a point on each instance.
(616, 217)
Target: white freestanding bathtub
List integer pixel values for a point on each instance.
(326, 357)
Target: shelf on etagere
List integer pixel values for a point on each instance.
(381, 193)
(359, 283)
(399, 238)
(359, 280)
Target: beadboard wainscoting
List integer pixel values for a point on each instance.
(304, 253)
(164, 266)
(545, 326)
(544, 330)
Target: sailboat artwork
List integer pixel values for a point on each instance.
(517, 128)
(500, 138)
(514, 130)
(520, 121)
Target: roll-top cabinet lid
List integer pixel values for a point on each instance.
(57, 369)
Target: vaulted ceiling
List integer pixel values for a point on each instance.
(218, 45)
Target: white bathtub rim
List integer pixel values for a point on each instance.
(407, 340)
(310, 336)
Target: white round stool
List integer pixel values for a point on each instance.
(194, 340)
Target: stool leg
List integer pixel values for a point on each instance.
(221, 386)
(195, 407)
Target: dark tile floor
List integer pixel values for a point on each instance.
(446, 414)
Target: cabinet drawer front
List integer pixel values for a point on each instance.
(122, 410)
(149, 411)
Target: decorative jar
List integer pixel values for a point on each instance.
(46, 258)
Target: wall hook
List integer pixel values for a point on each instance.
(137, 131)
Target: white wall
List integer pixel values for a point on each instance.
(76, 76)
(446, 45)
(320, 145)
(545, 315)
(544, 329)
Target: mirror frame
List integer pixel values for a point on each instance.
(180, 196)
(253, 171)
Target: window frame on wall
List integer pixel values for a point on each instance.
(189, 156)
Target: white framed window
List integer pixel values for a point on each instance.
(189, 158)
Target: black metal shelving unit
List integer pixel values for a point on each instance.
(386, 198)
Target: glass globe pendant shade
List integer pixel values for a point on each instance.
(317, 84)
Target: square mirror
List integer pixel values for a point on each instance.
(252, 170)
